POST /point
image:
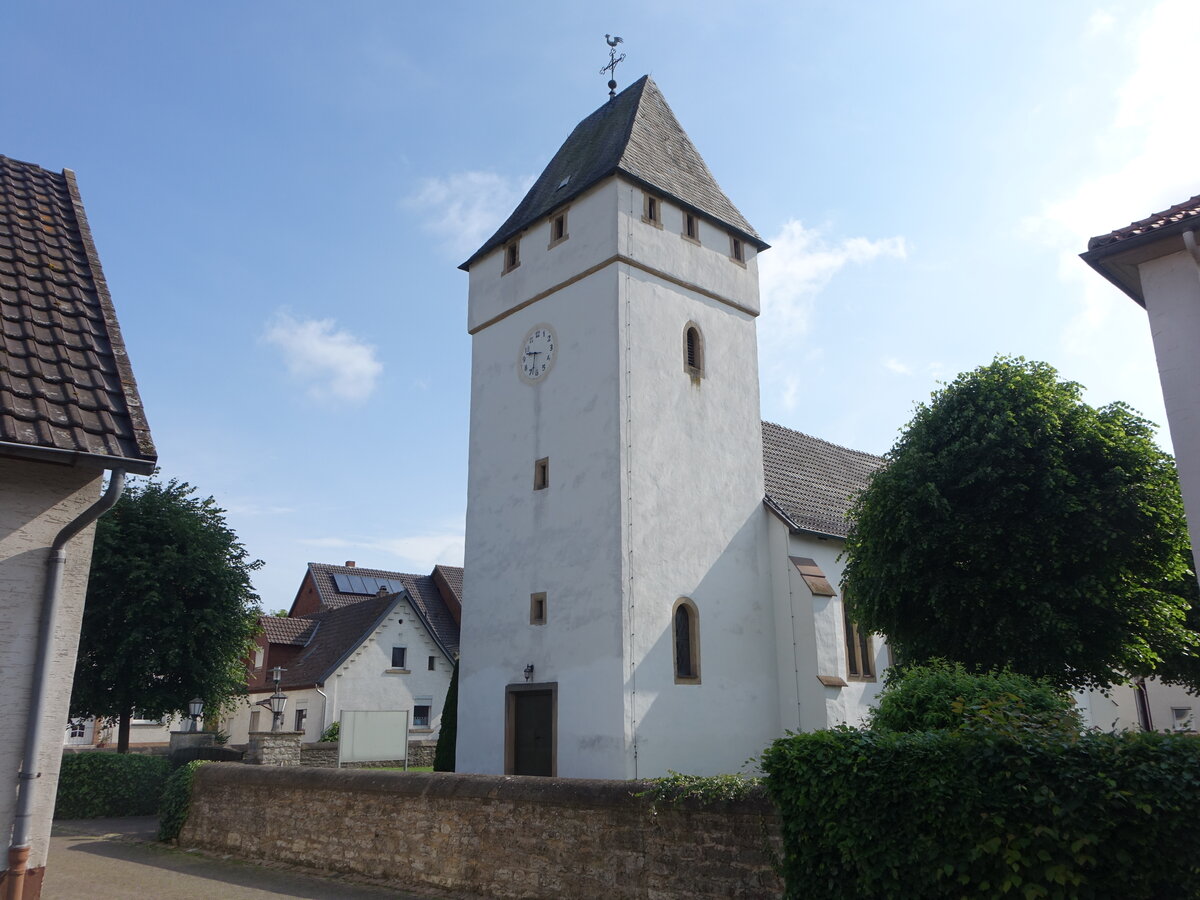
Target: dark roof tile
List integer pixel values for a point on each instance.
(426, 598)
(66, 386)
(1180, 212)
(335, 634)
(813, 482)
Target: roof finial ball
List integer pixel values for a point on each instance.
(613, 59)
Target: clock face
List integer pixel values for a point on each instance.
(537, 353)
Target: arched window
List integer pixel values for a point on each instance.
(685, 630)
(693, 351)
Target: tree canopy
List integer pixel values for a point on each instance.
(1016, 526)
(170, 611)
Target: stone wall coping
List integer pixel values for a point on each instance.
(569, 792)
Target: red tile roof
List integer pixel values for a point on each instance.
(1180, 212)
(67, 391)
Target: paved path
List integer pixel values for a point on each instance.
(118, 859)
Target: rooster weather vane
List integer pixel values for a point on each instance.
(613, 60)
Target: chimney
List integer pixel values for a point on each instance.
(349, 564)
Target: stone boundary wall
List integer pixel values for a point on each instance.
(325, 753)
(495, 836)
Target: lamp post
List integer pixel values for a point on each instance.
(195, 711)
(277, 700)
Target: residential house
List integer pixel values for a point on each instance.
(69, 412)
(358, 639)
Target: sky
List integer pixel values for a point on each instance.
(281, 193)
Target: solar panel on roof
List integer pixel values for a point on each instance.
(342, 583)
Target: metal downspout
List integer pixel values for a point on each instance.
(18, 851)
(324, 709)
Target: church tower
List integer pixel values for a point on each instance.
(617, 615)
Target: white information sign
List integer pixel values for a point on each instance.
(373, 735)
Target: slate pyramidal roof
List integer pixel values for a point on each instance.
(67, 392)
(637, 135)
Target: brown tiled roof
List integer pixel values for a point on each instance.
(66, 387)
(1179, 213)
(454, 578)
(426, 598)
(636, 134)
(812, 483)
(336, 633)
(280, 630)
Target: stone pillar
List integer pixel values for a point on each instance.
(274, 748)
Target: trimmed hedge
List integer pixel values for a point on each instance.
(177, 800)
(943, 694)
(96, 784)
(979, 813)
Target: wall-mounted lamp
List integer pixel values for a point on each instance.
(529, 672)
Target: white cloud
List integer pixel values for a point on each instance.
(800, 263)
(1100, 22)
(894, 365)
(333, 365)
(465, 208)
(1153, 124)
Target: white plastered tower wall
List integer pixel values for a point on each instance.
(694, 525)
(565, 540)
(40, 499)
(1171, 285)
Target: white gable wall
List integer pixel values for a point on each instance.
(38, 500)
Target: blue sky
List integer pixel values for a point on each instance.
(281, 193)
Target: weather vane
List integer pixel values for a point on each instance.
(613, 59)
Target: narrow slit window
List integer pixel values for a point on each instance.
(432, 663)
(737, 250)
(558, 228)
(693, 351)
(860, 657)
(512, 256)
(537, 608)
(652, 211)
(541, 474)
(685, 628)
(691, 227)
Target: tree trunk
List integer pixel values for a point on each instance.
(123, 730)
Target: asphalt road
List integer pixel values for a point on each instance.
(118, 859)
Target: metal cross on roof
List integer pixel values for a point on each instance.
(613, 60)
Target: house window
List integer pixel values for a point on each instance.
(255, 715)
(693, 351)
(1181, 718)
(737, 249)
(860, 660)
(399, 654)
(691, 227)
(301, 715)
(421, 707)
(685, 623)
(512, 255)
(558, 229)
(78, 728)
(432, 663)
(537, 608)
(259, 655)
(541, 474)
(652, 211)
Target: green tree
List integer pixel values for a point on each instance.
(1016, 526)
(170, 611)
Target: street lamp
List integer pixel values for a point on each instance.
(195, 710)
(277, 701)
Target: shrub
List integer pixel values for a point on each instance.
(177, 800)
(447, 746)
(95, 784)
(943, 694)
(982, 813)
(331, 733)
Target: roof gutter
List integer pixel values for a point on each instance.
(798, 529)
(75, 458)
(18, 851)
